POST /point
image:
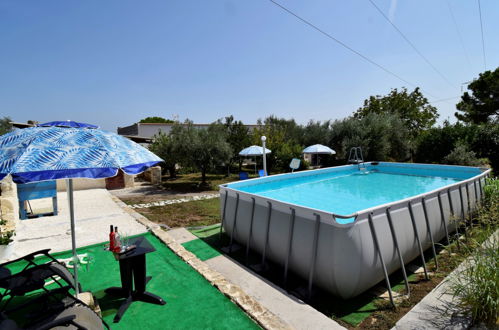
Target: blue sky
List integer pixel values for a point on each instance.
(112, 63)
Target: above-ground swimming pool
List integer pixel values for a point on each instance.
(346, 228)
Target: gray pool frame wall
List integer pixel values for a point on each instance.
(348, 259)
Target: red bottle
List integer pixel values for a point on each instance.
(111, 240)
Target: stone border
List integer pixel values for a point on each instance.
(175, 201)
(250, 306)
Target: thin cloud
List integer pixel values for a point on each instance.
(393, 8)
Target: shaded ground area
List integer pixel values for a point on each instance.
(188, 183)
(144, 192)
(181, 186)
(367, 311)
(192, 303)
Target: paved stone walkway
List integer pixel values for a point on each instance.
(175, 201)
(95, 211)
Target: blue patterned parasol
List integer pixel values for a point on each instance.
(48, 153)
(68, 123)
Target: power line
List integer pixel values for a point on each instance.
(446, 99)
(347, 47)
(483, 41)
(411, 44)
(458, 33)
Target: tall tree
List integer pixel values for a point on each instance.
(203, 149)
(209, 149)
(413, 108)
(238, 137)
(5, 125)
(156, 120)
(482, 105)
(164, 146)
(316, 132)
(381, 136)
(283, 138)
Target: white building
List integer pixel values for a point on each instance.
(148, 130)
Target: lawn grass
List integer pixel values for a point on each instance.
(194, 213)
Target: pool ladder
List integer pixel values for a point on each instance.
(355, 157)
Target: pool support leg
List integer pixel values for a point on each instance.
(451, 206)
(290, 241)
(380, 255)
(411, 213)
(223, 217)
(234, 224)
(314, 254)
(395, 242)
(476, 193)
(481, 188)
(468, 205)
(442, 216)
(423, 202)
(248, 242)
(269, 216)
(463, 214)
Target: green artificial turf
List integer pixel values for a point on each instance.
(204, 247)
(201, 249)
(206, 231)
(192, 303)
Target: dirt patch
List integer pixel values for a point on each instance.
(194, 213)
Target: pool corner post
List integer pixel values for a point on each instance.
(264, 155)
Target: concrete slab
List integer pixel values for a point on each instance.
(95, 211)
(181, 235)
(291, 310)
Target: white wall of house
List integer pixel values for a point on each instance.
(82, 184)
(149, 130)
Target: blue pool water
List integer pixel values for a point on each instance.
(347, 193)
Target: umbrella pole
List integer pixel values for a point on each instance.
(69, 188)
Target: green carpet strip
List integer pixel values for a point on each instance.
(192, 303)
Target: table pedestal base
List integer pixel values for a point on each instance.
(131, 297)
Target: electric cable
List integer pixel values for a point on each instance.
(348, 47)
(411, 44)
(483, 40)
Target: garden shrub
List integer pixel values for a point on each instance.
(477, 287)
(460, 155)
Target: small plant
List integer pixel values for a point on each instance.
(491, 189)
(5, 235)
(477, 287)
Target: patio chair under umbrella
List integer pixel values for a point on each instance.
(49, 153)
(319, 149)
(253, 151)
